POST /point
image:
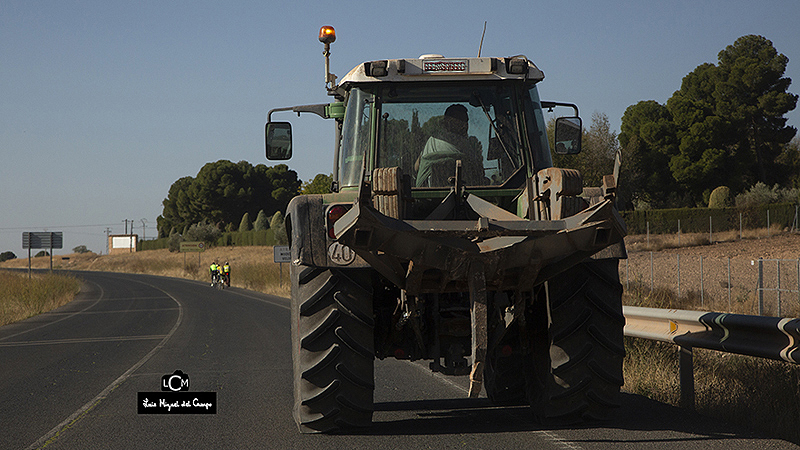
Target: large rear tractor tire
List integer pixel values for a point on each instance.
(585, 345)
(332, 348)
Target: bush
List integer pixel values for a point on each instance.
(246, 224)
(278, 228)
(696, 220)
(80, 249)
(761, 194)
(174, 242)
(204, 232)
(154, 244)
(246, 238)
(720, 197)
(262, 221)
(5, 256)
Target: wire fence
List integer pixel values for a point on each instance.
(741, 285)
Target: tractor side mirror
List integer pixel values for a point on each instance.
(568, 135)
(278, 136)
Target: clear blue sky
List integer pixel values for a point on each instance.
(104, 104)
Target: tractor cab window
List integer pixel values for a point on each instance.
(425, 128)
(536, 127)
(355, 136)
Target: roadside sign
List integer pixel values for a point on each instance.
(282, 254)
(192, 246)
(49, 240)
(46, 239)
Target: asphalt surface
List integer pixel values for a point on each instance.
(70, 379)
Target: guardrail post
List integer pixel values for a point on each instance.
(760, 286)
(686, 377)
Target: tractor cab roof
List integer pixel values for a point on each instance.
(438, 68)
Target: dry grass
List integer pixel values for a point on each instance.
(756, 393)
(21, 297)
(658, 242)
(251, 267)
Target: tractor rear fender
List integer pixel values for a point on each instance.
(307, 231)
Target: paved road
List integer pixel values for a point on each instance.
(69, 379)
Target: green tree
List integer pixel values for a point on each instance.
(278, 228)
(223, 191)
(204, 232)
(174, 242)
(789, 163)
(80, 249)
(262, 221)
(599, 145)
(725, 126)
(246, 224)
(5, 256)
(321, 184)
(647, 138)
(704, 158)
(752, 92)
(177, 211)
(730, 119)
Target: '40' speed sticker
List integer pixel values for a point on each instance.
(341, 254)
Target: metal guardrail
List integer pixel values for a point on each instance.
(765, 337)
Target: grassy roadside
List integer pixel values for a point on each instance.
(251, 267)
(756, 393)
(21, 297)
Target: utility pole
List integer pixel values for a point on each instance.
(144, 221)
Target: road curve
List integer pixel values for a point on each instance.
(70, 378)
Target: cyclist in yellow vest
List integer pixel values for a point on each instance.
(225, 270)
(214, 270)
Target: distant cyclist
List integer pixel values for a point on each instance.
(214, 270)
(226, 273)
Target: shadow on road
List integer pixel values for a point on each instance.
(638, 421)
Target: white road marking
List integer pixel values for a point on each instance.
(82, 411)
(83, 340)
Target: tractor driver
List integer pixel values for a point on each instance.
(451, 142)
